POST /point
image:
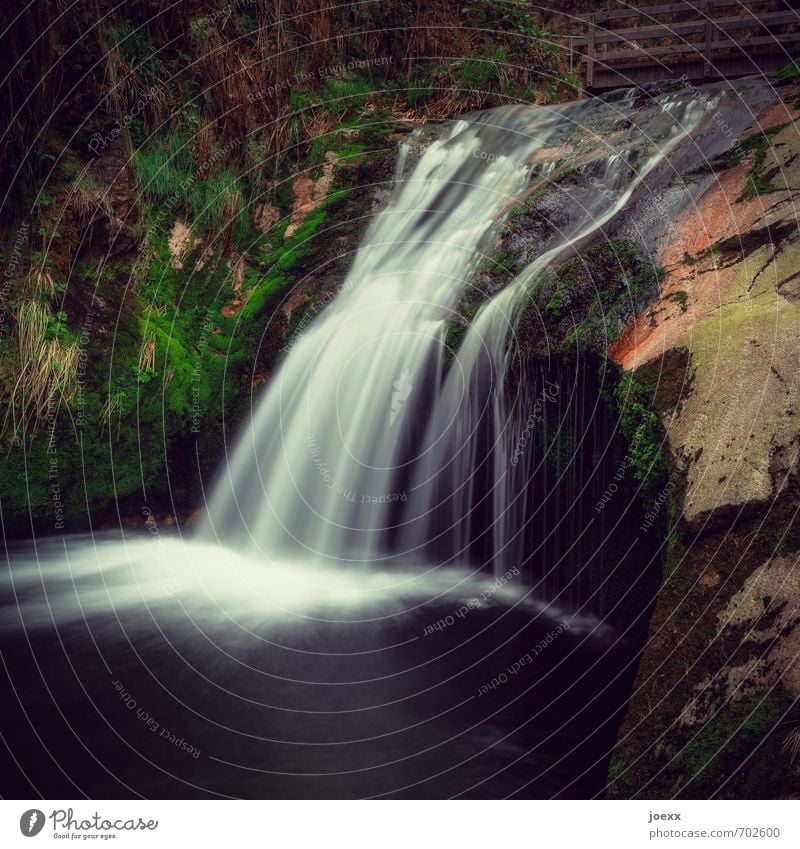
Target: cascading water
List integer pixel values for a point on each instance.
(362, 448)
(328, 442)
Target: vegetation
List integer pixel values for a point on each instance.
(790, 71)
(142, 398)
(681, 297)
(207, 115)
(718, 747)
(755, 147)
(40, 371)
(213, 72)
(642, 428)
(591, 297)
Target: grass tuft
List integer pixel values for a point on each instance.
(44, 374)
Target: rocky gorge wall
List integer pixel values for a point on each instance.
(714, 708)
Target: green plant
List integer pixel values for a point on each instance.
(789, 71)
(339, 94)
(557, 300)
(220, 202)
(87, 197)
(165, 169)
(573, 81)
(147, 355)
(508, 14)
(419, 95)
(642, 428)
(757, 146)
(478, 70)
(680, 297)
(730, 736)
(114, 405)
(603, 288)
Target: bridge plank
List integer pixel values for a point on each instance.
(726, 67)
(662, 9)
(753, 41)
(691, 27)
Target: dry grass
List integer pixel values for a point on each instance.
(45, 374)
(129, 88)
(114, 405)
(40, 284)
(147, 354)
(87, 197)
(791, 745)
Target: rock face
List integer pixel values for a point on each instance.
(766, 612)
(713, 707)
(310, 193)
(730, 300)
(113, 173)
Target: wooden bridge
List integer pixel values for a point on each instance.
(705, 39)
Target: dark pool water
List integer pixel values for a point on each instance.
(122, 683)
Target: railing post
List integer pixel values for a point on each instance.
(590, 53)
(708, 6)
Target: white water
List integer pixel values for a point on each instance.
(331, 434)
(361, 449)
(207, 583)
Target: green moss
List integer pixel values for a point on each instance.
(726, 740)
(756, 184)
(154, 410)
(757, 146)
(621, 777)
(790, 71)
(281, 259)
(454, 335)
(159, 285)
(558, 442)
(595, 294)
(643, 430)
(556, 302)
(200, 362)
(501, 265)
(348, 139)
(680, 297)
(456, 330)
(261, 141)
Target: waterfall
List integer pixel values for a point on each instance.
(320, 467)
(401, 587)
(372, 442)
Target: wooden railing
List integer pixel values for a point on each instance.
(702, 39)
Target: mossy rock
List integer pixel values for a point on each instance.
(587, 302)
